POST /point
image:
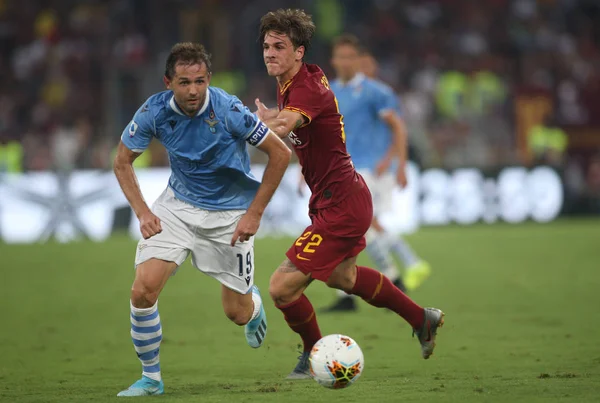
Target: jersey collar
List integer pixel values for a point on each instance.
(356, 80)
(283, 88)
(178, 110)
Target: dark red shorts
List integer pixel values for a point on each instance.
(336, 234)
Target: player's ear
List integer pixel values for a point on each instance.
(167, 82)
(300, 53)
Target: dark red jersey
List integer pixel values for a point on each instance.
(321, 142)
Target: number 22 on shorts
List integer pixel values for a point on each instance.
(315, 241)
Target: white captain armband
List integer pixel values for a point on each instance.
(258, 134)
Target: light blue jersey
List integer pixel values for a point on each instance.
(210, 165)
(362, 101)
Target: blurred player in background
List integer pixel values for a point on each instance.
(367, 64)
(340, 206)
(377, 141)
(212, 200)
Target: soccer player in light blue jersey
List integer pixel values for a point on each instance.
(376, 140)
(211, 207)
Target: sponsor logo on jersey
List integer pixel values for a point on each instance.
(132, 128)
(294, 139)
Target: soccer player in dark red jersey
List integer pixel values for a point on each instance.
(340, 207)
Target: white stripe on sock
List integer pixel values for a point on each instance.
(145, 349)
(147, 323)
(143, 311)
(145, 336)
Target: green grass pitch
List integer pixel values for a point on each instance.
(522, 324)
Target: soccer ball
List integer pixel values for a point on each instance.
(336, 361)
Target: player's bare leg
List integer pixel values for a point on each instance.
(287, 291)
(237, 307)
(146, 331)
(246, 309)
(378, 290)
(150, 278)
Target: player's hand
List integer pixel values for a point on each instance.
(383, 166)
(263, 112)
(246, 227)
(401, 178)
(149, 224)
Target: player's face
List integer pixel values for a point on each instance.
(345, 61)
(279, 54)
(189, 85)
(368, 65)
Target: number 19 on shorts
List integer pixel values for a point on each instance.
(245, 263)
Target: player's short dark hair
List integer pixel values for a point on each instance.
(186, 53)
(347, 39)
(296, 24)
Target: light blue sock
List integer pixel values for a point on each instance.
(403, 251)
(146, 333)
(379, 253)
(378, 250)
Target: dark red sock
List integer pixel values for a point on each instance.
(301, 318)
(378, 290)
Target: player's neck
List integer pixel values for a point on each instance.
(347, 80)
(288, 75)
(193, 113)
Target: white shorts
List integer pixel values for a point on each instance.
(381, 190)
(206, 234)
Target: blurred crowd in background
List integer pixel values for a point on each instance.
(482, 83)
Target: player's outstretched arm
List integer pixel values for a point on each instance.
(123, 168)
(399, 146)
(285, 122)
(279, 158)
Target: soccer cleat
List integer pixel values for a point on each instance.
(416, 274)
(343, 304)
(144, 387)
(256, 329)
(302, 370)
(434, 319)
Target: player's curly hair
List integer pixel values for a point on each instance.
(296, 24)
(186, 53)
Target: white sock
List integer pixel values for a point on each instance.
(342, 294)
(391, 273)
(379, 251)
(146, 333)
(257, 300)
(403, 250)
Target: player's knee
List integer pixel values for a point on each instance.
(280, 294)
(238, 316)
(142, 297)
(342, 278)
(276, 291)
